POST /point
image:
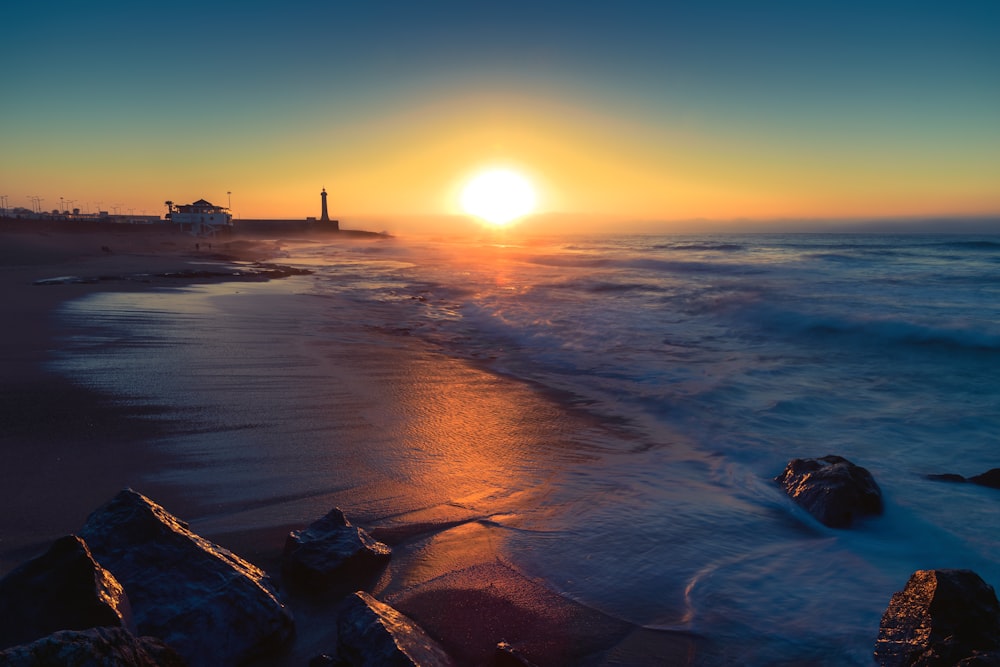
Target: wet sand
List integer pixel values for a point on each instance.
(430, 454)
(66, 449)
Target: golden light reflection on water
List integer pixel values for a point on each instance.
(467, 443)
(466, 433)
(483, 458)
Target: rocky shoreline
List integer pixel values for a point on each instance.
(430, 571)
(252, 271)
(136, 587)
(942, 617)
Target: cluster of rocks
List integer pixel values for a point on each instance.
(137, 587)
(941, 617)
(257, 271)
(254, 271)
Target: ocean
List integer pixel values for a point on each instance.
(708, 362)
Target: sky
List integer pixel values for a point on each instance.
(626, 115)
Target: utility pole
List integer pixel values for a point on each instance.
(229, 204)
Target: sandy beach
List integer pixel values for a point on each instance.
(356, 407)
(66, 447)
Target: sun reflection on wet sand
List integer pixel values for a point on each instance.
(303, 408)
(285, 404)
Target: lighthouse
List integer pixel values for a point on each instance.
(325, 214)
(325, 217)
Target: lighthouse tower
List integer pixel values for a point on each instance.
(325, 217)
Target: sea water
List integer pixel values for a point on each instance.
(731, 355)
(721, 358)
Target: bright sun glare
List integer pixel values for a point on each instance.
(498, 196)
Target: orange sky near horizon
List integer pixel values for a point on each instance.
(397, 167)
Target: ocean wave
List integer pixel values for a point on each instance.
(606, 286)
(582, 261)
(883, 330)
(971, 244)
(834, 257)
(701, 246)
(821, 244)
(646, 264)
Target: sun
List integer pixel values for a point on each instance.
(498, 196)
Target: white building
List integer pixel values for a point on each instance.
(201, 218)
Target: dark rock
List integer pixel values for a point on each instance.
(96, 647)
(372, 633)
(941, 617)
(330, 547)
(508, 656)
(63, 589)
(990, 478)
(947, 477)
(278, 270)
(210, 605)
(832, 489)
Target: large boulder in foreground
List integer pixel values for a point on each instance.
(329, 547)
(63, 589)
(210, 605)
(96, 647)
(371, 633)
(832, 489)
(941, 617)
